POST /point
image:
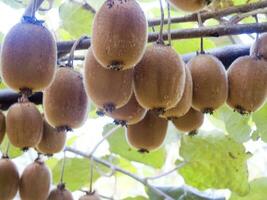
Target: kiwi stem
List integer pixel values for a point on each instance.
(91, 175)
(169, 24)
(63, 168)
(160, 37)
(7, 149)
(72, 51)
(200, 24)
(32, 8)
(118, 169)
(256, 52)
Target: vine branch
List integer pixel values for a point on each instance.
(118, 169)
(213, 14)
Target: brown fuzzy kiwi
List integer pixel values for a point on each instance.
(148, 134)
(108, 89)
(28, 57)
(190, 5)
(247, 84)
(60, 193)
(159, 78)
(35, 182)
(2, 126)
(53, 140)
(129, 114)
(125, 34)
(185, 103)
(90, 196)
(9, 179)
(210, 84)
(65, 100)
(24, 125)
(191, 121)
(259, 48)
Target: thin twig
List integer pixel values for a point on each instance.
(160, 37)
(166, 173)
(169, 24)
(118, 169)
(238, 18)
(213, 14)
(63, 168)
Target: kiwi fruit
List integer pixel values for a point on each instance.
(60, 193)
(65, 100)
(159, 78)
(90, 196)
(185, 103)
(35, 181)
(125, 34)
(2, 126)
(259, 48)
(131, 113)
(108, 89)
(9, 179)
(191, 121)
(247, 84)
(28, 57)
(190, 5)
(24, 125)
(53, 140)
(210, 84)
(148, 134)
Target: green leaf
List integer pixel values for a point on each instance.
(76, 174)
(236, 125)
(259, 118)
(258, 188)
(178, 193)
(76, 19)
(214, 161)
(119, 145)
(13, 151)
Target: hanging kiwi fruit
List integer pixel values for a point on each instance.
(129, 114)
(185, 103)
(190, 122)
(247, 84)
(190, 5)
(2, 126)
(28, 57)
(115, 44)
(159, 78)
(259, 47)
(53, 140)
(65, 100)
(24, 125)
(210, 84)
(60, 193)
(90, 196)
(108, 89)
(148, 134)
(9, 179)
(35, 181)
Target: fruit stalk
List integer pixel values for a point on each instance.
(33, 7)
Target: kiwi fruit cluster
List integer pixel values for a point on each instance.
(190, 5)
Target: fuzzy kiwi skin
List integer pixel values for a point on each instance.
(191, 121)
(93, 196)
(9, 179)
(148, 134)
(35, 182)
(190, 5)
(259, 48)
(129, 114)
(65, 100)
(159, 78)
(53, 140)
(210, 84)
(108, 89)
(122, 46)
(24, 125)
(185, 103)
(28, 57)
(60, 193)
(247, 84)
(2, 126)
